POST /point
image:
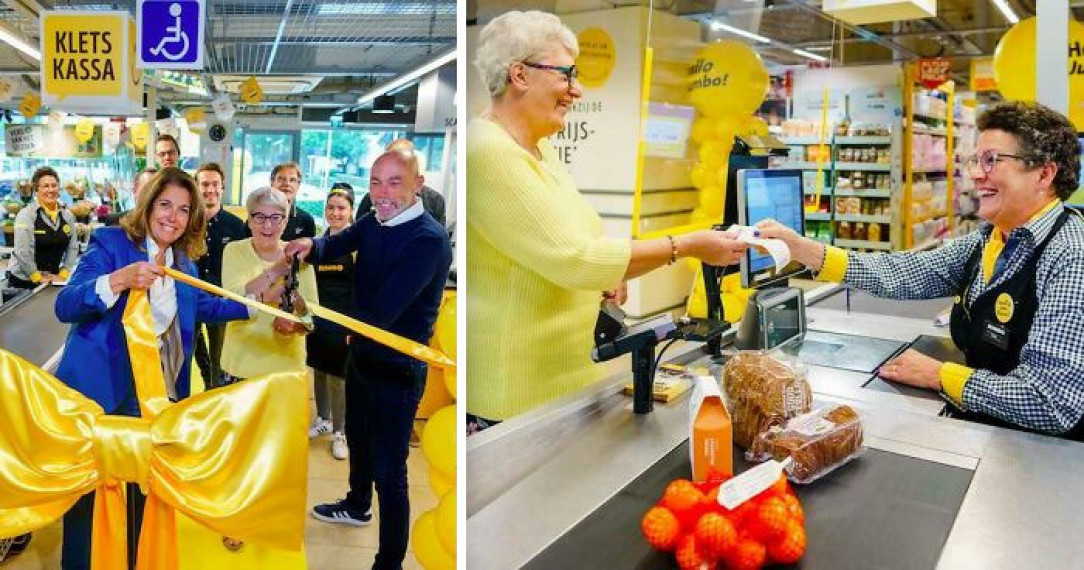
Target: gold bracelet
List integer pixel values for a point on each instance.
(673, 249)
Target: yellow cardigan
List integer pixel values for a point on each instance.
(253, 348)
(537, 263)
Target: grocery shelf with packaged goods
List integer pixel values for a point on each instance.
(855, 210)
(929, 165)
(965, 202)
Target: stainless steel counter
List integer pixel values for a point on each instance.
(535, 477)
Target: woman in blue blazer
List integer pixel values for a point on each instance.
(166, 228)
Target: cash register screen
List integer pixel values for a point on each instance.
(769, 194)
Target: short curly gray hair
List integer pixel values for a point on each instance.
(267, 196)
(518, 36)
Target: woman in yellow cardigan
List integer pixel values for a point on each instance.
(536, 257)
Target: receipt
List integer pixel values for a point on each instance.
(774, 247)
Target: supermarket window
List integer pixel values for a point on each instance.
(330, 156)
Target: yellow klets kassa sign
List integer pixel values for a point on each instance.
(87, 62)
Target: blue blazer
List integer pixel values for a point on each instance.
(95, 360)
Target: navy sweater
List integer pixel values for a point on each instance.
(399, 279)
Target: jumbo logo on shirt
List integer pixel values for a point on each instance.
(66, 229)
(1003, 308)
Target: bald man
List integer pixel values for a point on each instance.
(432, 201)
(402, 265)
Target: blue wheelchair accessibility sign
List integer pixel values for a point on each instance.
(170, 34)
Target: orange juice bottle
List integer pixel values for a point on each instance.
(711, 438)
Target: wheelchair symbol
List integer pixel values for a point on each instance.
(178, 36)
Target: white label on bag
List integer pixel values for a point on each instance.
(811, 425)
(749, 484)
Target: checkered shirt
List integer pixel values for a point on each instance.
(1046, 391)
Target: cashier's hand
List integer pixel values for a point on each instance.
(913, 369)
(619, 295)
(712, 247)
(808, 252)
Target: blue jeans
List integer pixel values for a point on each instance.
(380, 408)
(78, 521)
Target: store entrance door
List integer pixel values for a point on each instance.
(262, 151)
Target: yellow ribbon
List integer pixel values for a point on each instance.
(234, 459)
(399, 343)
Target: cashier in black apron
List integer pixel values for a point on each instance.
(1017, 280)
(45, 243)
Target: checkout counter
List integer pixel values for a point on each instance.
(28, 323)
(565, 486)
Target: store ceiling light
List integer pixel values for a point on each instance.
(12, 39)
(721, 26)
(1006, 11)
(812, 56)
(406, 78)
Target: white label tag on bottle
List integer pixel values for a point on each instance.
(749, 484)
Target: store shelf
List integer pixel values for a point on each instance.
(930, 171)
(866, 218)
(927, 245)
(864, 166)
(864, 193)
(818, 216)
(807, 165)
(863, 244)
(806, 140)
(919, 129)
(928, 117)
(863, 140)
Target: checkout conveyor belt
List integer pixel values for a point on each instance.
(29, 327)
(881, 510)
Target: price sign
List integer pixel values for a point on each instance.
(933, 71)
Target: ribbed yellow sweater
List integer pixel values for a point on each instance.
(537, 263)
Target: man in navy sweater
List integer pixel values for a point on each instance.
(403, 256)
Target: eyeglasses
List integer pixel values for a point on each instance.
(569, 71)
(988, 159)
(290, 181)
(262, 219)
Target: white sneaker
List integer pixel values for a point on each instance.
(339, 450)
(319, 427)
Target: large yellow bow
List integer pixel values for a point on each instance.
(234, 459)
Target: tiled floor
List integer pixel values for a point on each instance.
(328, 546)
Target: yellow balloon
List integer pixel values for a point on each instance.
(445, 326)
(711, 201)
(427, 547)
(446, 522)
(728, 78)
(713, 154)
(721, 177)
(701, 130)
(438, 440)
(449, 380)
(440, 482)
(724, 129)
(1014, 66)
(700, 175)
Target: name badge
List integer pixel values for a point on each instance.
(995, 334)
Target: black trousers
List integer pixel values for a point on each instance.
(209, 353)
(380, 408)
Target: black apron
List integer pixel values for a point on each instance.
(50, 245)
(994, 329)
(326, 348)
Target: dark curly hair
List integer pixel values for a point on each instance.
(1043, 135)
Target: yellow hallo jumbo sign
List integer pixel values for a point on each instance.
(86, 62)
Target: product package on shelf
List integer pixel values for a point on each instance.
(763, 391)
(817, 442)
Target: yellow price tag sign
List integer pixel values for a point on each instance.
(195, 118)
(251, 91)
(139, 133)
(31, 105)
(84, 130)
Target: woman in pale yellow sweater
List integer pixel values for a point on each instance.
(257, 267)
(536, 257)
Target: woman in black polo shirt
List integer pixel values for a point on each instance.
(45, 243)
(326, 346)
